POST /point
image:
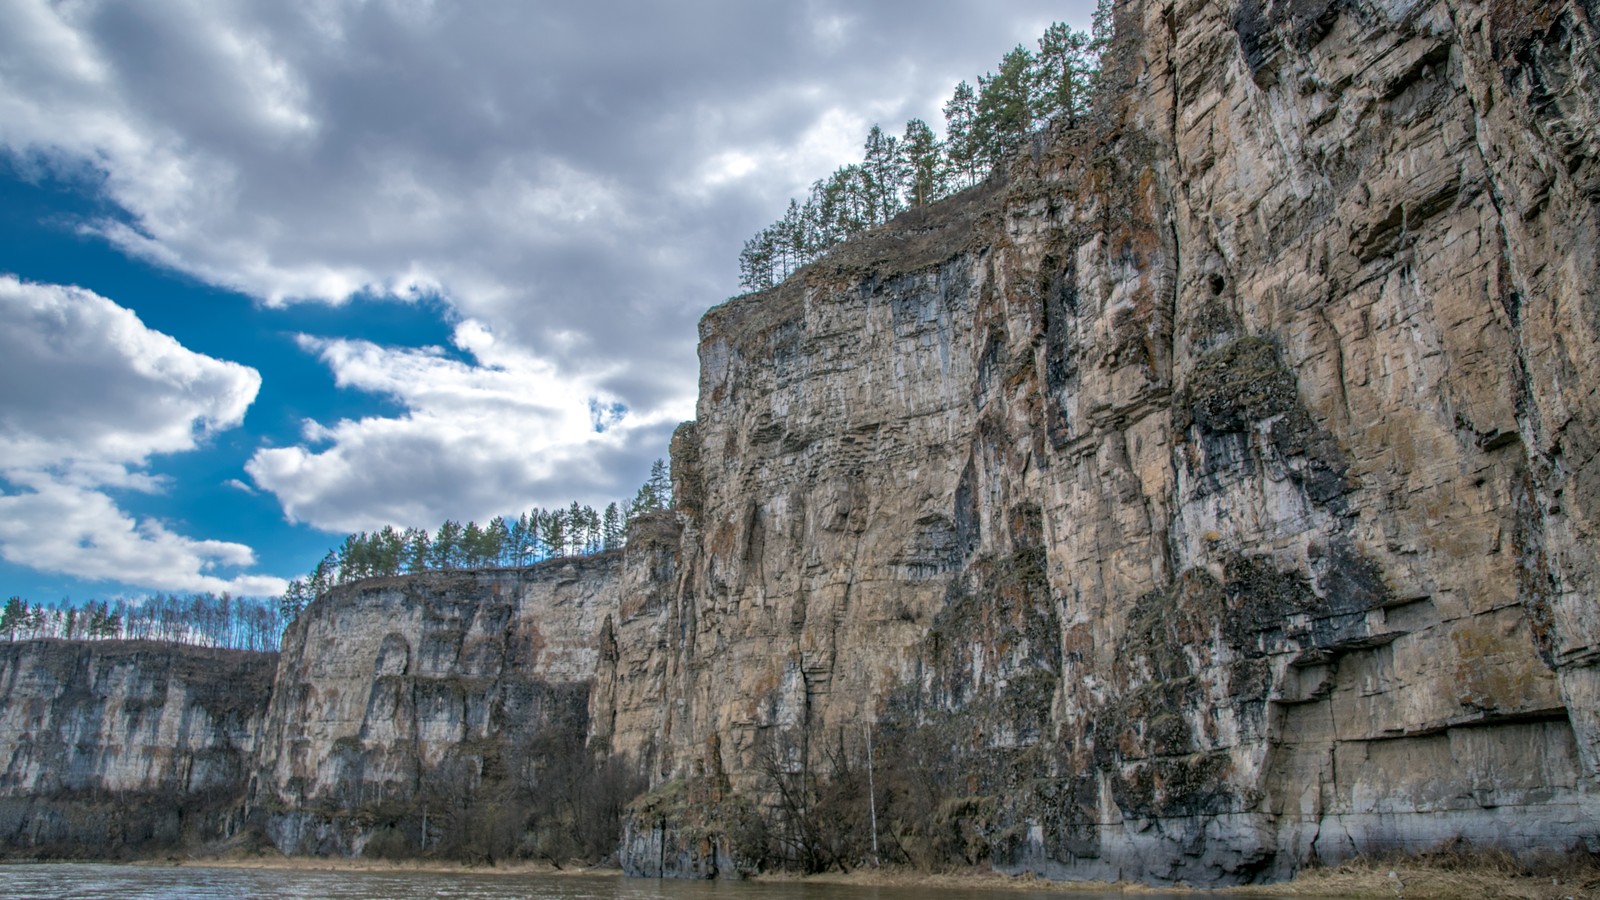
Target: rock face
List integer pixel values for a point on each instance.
(1219, 486)
(397, 697)
(123, 747)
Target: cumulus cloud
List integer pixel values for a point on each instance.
(576, 177)
(82, 532)
(497, 432)
(87, 395)
(85, 385)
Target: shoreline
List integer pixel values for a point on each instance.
(1481, 878)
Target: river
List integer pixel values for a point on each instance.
(74, 881)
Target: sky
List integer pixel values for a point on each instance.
(274, 271)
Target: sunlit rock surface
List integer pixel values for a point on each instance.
(393, 693)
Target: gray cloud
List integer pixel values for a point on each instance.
(577, 178)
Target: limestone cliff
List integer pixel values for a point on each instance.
(1218, 486)
(124, 747)
(397, 698)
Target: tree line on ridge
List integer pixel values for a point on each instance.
(531, 537)
(1055, 82)
(201, 620)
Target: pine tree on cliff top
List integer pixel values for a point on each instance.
(925, 170)
(960, 142)
(1005, 107)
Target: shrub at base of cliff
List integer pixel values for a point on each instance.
(555, 804)
(548, 799)
(692, 828)
(124, 826)
(948, 797)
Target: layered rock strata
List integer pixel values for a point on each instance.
(1212, 491)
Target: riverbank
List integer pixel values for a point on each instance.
(1443, 875)
(1446, 875)
(1412, 879)
(340, 864)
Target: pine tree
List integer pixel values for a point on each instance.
(656, 492)
(517, 540)
(325, 575)
(1005, 110)
(756, 262)
(851, 207)
(15, 614)
(961, 139)
(612, 526)
(294, 600)
(391, 551)
(555, 532)
(539, 533)
(881, 177)
(789, 242)
(472, 546)
(447, 546)
(1103, 28)
(347, 562)
(922, 168)
(497, 541)
(1063, 74)
(419, 550)
(577, 528)
(596, 535)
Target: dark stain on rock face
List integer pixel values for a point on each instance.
(1243, 384)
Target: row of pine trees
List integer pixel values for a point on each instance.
(531, 537)
(204, 620)
(1054, 82)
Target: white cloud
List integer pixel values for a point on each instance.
(88, 394)
(497, 433)
(80, 532)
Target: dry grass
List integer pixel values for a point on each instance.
(1453, 871)
(974, 878)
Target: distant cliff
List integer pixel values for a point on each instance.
(125, 748)
(1212, 491)
(424, 712)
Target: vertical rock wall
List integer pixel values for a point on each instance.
(1223, 476)
(115, 748)
(398, 697)
(1213, 490)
